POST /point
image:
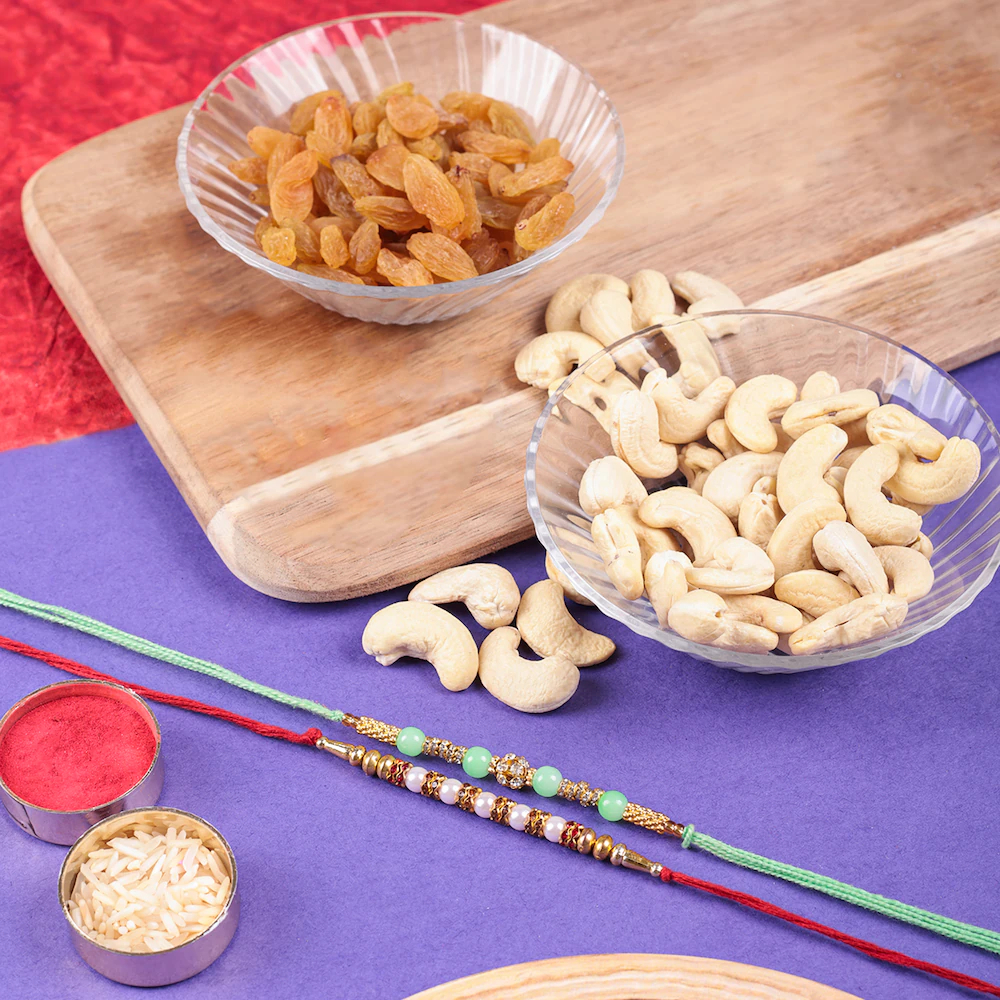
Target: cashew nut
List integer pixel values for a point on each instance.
(666, 581)
(609, 482)
(563, 312)
(554, 573)
(800, 475)
(766, 612)
(905, 431)
(489, 591)
(719, 434)
(702, 523)
(759, 514)
(790, 547)
(727, 484)
(549, 629)
(864, 618)
(597, 398)
(910, 573)
(682, 419)
(923, 545)
(607, 316)
(708, 295)
(946, 478)
(849, 456)
(881, 522)
(917, 508)
(819, 385)
(526, 685)
(428, 633)
(651, 296)
(840, 409)
(737, 566)
(751, 406)
(618, 547)
(651, 540)
(552, 356)
(835, 477)
(697, 362)
(635, 436)
(703, 616)
(839, 546)
(814, 591)
(696, 461)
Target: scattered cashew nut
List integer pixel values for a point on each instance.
(704, 617)
(910, 573)
(696, 461)
(563, 311)
(905, 431)
(791, 545)
(865, 618)
(666, 581)
(881, 522)
(702, 523)
(549, 629)
(489, 591)
(719, 434)
(609, 482)
(412, 628)
(635, 436)
(737, 566)
(751, 407)
(942, 480)
(800, 475)
(820, 384)
(727, 484)
(683, 419)
(814, 591)
(839, 546)
(759, 514)
(552, 356)
(705, 294)
(526, 685)
(766, 612)
(618, 546)
(697, 362)
(651, 296)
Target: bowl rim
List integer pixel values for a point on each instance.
(389, 293)
(752, 662)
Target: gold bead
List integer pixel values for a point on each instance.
(618, 853)
(587, 841)
(370, 761)
(356, 754)
(382, 768)
(602, 847)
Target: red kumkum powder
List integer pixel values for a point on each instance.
(76, 752)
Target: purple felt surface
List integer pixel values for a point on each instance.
(883, 773)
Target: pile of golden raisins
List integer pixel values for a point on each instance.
(396, 191)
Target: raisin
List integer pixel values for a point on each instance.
(404, 87)
(396, 214)
(545, 149)
(410, 116)
(506, 121)
(546, 225)
(441, 256)
(386, 165)
(348, 225)
(496, 147)
(473, 221)
(330, 273)
(333, 132)
(386, 135)
(403, 271)
(261, 196)
(462, 102)
(367, 116)
(483, 251)
(263, 225)
(279, 245)
(292, 190)
(352, 174)
(333, 247)
(305, 110)
(251, 170)
(497, 214)
(262, 140)
(306, 240)
(333, 194)
(498, 172)
(450, 121)
(534, 176)
(430, 192)
(363, 146)
(476, 164)
(284, 149)
(533, 204)
(433, 147)
(365, 246)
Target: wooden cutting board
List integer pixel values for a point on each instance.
(632, 977)
(842, 159)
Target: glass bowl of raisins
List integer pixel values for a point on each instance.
(400, 168)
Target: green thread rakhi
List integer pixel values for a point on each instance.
(514, 772)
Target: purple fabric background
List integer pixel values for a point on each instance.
(883, 773)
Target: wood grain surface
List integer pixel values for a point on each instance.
(841, 159)
(632, 977)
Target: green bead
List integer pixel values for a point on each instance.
(546, 781)
(611, 806)
(476, 762)
(410, 741)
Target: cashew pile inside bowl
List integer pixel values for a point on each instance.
(800, 521)
(418, 627)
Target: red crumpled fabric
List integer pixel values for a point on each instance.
(72, 69)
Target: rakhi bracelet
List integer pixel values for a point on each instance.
(956, 930)
(535, 822)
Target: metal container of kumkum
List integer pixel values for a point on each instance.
(75, 753)
(171, 964)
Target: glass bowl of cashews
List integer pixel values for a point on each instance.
(771, 492)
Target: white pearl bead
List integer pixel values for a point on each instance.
(519, 816)
(415, 778)
(449, 790)
(483, 804)
(553, 828)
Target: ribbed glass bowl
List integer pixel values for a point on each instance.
(360, 56)
(965, 533)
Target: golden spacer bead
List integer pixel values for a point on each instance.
(370, 761)
(618, 853)
(356, 755)
(602, 847)
(587, 840)
(382, 768)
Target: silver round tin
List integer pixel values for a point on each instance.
(163, 967)
(60, 827)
